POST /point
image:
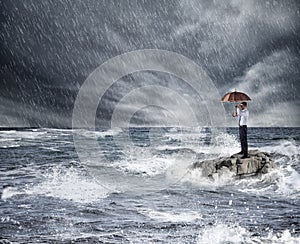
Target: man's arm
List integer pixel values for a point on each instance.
(237, 111)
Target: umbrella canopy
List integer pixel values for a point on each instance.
(235, 97)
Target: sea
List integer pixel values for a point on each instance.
(137, 185)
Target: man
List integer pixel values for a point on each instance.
(243, 114)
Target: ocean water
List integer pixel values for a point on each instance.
(137, 186)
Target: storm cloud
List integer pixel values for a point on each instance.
(49, 48)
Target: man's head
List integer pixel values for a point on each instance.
(243, 105)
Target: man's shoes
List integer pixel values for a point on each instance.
(244, 157)
(240, 152)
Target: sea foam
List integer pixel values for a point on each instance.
(225, 233)
(65, 184)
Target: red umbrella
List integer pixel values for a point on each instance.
(235, 97)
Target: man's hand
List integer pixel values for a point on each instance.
(234, 114)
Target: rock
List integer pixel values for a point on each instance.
(257, 163)
(267, 154)
(233, 160)
(253, 152)
(266, 159)
(225, 162)
(208, 167)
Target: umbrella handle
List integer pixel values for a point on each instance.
(234, 113)
(236, 106)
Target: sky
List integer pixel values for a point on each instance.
(49, 49)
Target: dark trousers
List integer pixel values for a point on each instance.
(243, 139)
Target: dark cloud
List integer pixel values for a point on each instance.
(48, 48)
(274, 85)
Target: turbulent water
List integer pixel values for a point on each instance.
(137, 187)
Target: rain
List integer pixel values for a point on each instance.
(125, 121)
(48, 49)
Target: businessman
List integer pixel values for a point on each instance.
(243, 114)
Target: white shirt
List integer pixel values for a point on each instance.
(242, 116)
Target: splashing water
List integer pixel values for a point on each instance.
(146, 193)
(66, 184)
(222, 233)
(185, 216)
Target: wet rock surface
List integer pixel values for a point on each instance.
(257, 163)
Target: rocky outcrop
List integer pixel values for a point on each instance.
(257, 163)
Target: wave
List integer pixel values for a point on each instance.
(163, 216)
(7, 131)
(225, 144)
(10, 146)
(223, 233)
(144, 166)
(185, 136)
(172, 164)
(287, 148)
(195, 177)
(53, 149)
(283, 181)
(97, 134)
(14, 138)
(65, 184)
(8, 142)
(9, 192)
(22, 134)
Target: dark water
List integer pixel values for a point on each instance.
(136, 187)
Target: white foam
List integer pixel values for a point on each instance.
(9, 192)
(283, 181)
(225, 144)
(144, 166)
(18, 135)
(222, 233)
(142, 161)
(222, 178)
(186, 216)
(9, 219)
(97, 134)
(174, 129)
(10, 146)
(29, 134)
(51, 149)
(7, 132)
(222, 145)
(179, 169)
(67, 184)
(184, 136)
(8, 142)
(6, 139)
(288, 181)
(71, 185)
(284, 147)
(285, 238)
